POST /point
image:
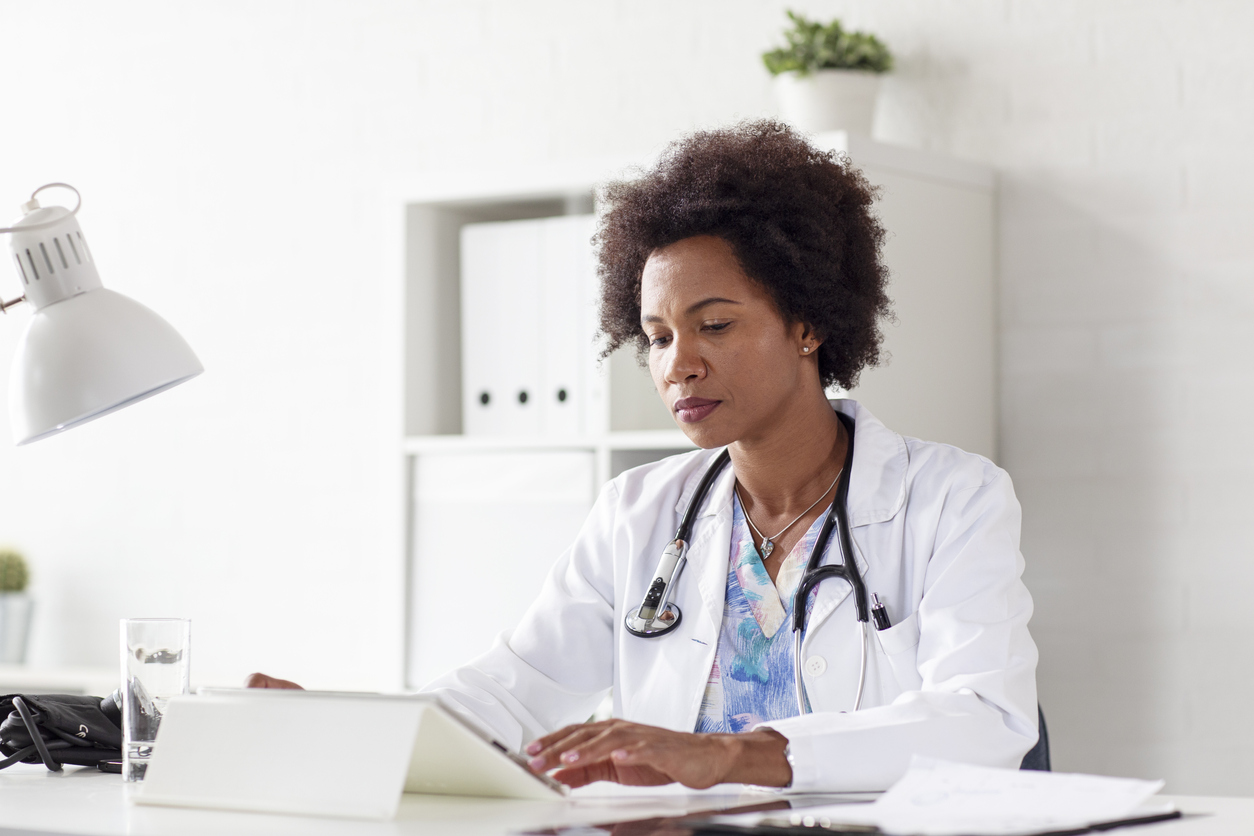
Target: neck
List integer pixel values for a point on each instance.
(786, 468)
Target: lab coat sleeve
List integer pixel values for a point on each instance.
(976, 660)
(558, 663)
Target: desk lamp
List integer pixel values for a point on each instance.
(87, 351)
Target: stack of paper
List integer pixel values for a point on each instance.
(938, 798)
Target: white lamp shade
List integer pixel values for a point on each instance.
(88, 355)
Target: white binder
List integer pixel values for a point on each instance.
(529, 307)
(568, 305)
(501, 328)
(324, 754)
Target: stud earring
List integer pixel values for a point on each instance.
(806, 350)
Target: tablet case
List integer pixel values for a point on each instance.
(324, 754)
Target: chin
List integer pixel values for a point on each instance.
(707, 435)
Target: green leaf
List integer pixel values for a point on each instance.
(811, 46)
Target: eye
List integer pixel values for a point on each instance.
(715, 326)
(659, 341)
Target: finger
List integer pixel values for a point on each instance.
(599, 747)
(541, 743)
(550, 756)
(679, 758)
(261, 680)
(581, 776)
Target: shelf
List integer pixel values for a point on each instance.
(635, 440)
(22, 679)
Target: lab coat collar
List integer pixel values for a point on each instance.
(877, 487)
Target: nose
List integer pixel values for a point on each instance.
(683, 361)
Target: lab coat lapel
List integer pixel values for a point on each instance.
(709, 550)
(706, 570)
(877, 492)
(877, 487)
(708, 554)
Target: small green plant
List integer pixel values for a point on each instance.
(13, 574)
(813, 46)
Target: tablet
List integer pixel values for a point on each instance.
(326, 753)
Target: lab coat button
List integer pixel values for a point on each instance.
(815, 665)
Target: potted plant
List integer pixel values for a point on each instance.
(15, 607)
(826, 78)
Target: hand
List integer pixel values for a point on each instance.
(638, 755)
(260, 680)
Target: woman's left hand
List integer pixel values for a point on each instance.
(630, 753)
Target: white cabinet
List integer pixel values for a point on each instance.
(487, 526)
(939, 383)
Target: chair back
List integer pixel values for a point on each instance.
(1038, 756)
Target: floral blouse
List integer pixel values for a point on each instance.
(752, 678)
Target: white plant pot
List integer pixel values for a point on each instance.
(828, 100)
(16, 609)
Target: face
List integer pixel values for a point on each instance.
(723, 359)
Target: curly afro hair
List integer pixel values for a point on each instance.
(798, 219)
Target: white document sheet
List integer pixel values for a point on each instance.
(939, 798)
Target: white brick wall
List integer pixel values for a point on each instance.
(259, 153)
(1127, 265)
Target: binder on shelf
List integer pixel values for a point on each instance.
(529, 364)
(568, 303)
(501, 328)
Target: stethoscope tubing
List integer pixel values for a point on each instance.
(837, 521)
(803, 699)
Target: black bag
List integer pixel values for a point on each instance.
(55, 729)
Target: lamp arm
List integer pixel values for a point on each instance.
(34, 204)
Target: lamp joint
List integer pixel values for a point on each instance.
(4, 306)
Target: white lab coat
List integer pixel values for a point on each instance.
(936, 532)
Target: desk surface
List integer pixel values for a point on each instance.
(86, 801)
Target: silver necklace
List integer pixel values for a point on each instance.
(768, 544)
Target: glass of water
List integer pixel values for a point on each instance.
(156, 656)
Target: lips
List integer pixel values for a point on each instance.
(692, 410)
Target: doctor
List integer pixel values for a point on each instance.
(746, 268)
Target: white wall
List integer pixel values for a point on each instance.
(244, 167)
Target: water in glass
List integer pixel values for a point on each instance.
(155, 666)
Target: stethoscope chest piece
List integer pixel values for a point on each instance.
(666, 619)
(656, 615)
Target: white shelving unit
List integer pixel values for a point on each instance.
(24, 679)
(940, 383)
(604, 447)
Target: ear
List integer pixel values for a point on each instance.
(806, 339)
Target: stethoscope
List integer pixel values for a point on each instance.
(657, 615)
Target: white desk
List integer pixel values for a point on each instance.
(85, 801)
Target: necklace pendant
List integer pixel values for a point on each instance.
(767, 548)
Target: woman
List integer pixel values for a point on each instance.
(746, 268)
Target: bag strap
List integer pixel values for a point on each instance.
(36, 737)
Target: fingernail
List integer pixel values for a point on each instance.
(619, 754)
(536, 763)
(533, 748)
(570, 757)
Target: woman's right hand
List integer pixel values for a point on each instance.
(260, 680)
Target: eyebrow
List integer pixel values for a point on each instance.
(704, 303)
